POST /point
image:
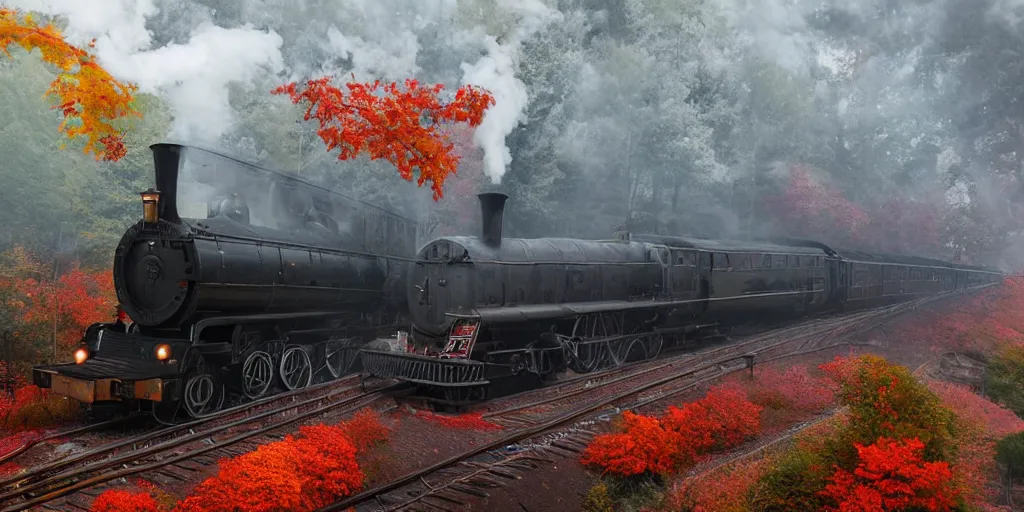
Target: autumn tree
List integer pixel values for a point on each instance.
(401, 124)
(1010, 454)
(892, 475)
(885, 400)
(88, 97)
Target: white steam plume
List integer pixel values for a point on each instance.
(496, 72)
(192, 77)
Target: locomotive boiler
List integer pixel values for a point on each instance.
(493, 314)
(238, 279)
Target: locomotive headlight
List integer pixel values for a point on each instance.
(150, 202)
(81, 354)
(163, 352)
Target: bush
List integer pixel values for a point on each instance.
(643, 446)
(724, 490)
(794, 482)
(296, 474)
(365, 430)
(597, 499)
(1005, 379)
(722, 419)
(31, 407)
(885, 400)
(123, 501)
(1010, 453)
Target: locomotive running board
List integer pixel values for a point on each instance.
(423, 370)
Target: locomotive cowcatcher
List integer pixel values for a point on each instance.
(238, 279)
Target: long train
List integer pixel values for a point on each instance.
(493, 313)
(244, 280)
(237, 279)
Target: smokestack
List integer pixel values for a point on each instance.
(492, 210)
(166, 162)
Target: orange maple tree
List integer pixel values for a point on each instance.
(83, 91)
(403, 125)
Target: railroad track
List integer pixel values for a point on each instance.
(550, 433)
(181, 448)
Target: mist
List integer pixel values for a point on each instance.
(872, 125)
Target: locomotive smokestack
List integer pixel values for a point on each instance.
(492, 210)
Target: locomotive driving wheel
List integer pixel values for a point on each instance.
(296, 369)
(339, 355)
(204, 391)
(257, 374)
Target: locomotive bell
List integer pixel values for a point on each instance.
(492, 210)
(150, 204)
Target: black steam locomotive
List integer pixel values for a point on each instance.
(490, 312)
(238, 279)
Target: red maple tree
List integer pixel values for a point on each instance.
(399, 124)
(891, 475)
(83, 91)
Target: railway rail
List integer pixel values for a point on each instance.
(180, 446)
(447, 484)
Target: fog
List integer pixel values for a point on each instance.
(868, 124)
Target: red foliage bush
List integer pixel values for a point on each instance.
(788, 394)
(885, 400)
(974, 468)
(468, 421)
(995, 420)
(364, 430)
(31, 407)
(296, 474)
(116, 500)
(892, 475)
(722, 419)
(643, 446)
(723, 490)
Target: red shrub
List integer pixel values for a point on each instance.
(327, 466)
(723, 490)
(722, 419)
(995, 419)
(469, 421)
(365, 430)
(892, 475)
(32, 407)
(643, 446)
(298, 475)
(116, 500)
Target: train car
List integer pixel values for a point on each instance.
(238, 279)
(493, 314)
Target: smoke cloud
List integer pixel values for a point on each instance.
(497, 72)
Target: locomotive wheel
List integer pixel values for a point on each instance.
(339, 357)
(257, 374)
(296, 370)
(204, 392)
(634, 350)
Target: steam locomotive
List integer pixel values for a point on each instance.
(491, 312)
(238, 279)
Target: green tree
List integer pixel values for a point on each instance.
(1004, 381)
